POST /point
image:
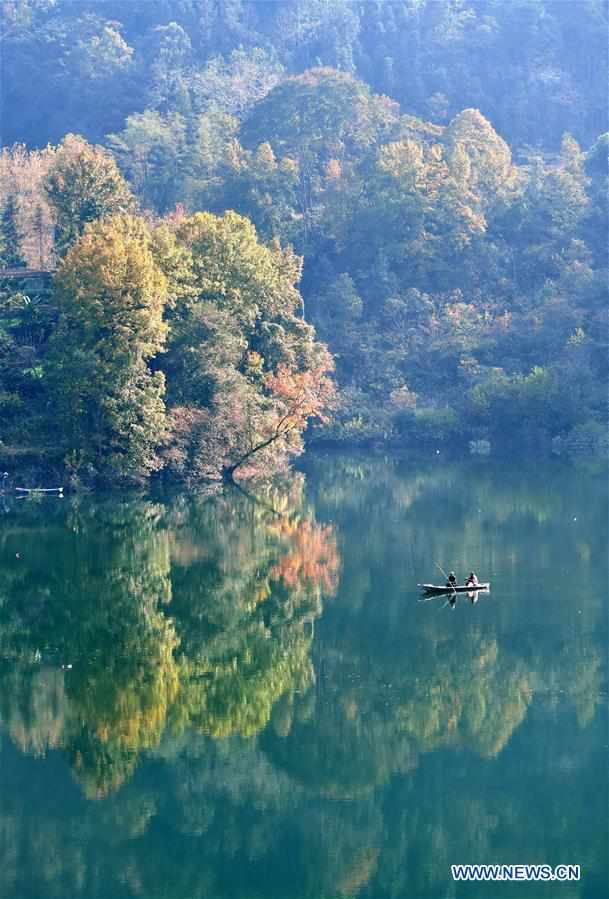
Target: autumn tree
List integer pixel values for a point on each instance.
(110, 623)
(244, 370)
(266, 568)
(317, 118)
(23, 173)
(84, 184)
(107, 403)
(297, 397)
(489, 167)
(320, 115)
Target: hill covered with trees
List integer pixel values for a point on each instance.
(237, 198)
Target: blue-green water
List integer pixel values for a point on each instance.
(238, 697)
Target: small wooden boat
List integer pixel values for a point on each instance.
(434, 589)
(39, 489)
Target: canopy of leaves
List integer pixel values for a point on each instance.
(110, 295)
(82, 185)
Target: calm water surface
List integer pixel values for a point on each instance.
(241, 697)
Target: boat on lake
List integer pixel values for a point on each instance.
(39, 489)
(436, 590)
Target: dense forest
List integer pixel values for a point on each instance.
(221, 220)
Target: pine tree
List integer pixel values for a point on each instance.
(39, 234)
(10, 238)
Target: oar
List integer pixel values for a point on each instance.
(446, 576)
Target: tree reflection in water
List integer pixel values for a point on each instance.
(105, 645)
(359, 760)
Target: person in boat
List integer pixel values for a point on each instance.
(472, 580)
(452, 580)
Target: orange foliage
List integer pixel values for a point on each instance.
(312, 559)
(301, 395)
(333, 170)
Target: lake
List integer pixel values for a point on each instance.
(241, 695)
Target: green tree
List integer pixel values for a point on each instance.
(107, 402)
(111, 627)
(168, 50)
(84, 184)
(320, 115)
(244, 370)
(315, 118)
(235, 83)
(10, 238)
(597, 220)
(151, 151)
(26, 323)
(260, 186)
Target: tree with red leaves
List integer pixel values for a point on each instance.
(297, 397)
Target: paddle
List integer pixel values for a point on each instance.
(446, 576)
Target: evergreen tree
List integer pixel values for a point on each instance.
(10, 238)
(39, 234)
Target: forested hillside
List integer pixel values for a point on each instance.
(226, 188)
(534, 67)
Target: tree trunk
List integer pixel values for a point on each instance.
(228, 474)
(228, 471)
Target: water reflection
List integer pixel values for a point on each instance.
(180, 661)
(104, 645)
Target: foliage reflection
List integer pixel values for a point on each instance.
(295, 746)
(129, 617)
